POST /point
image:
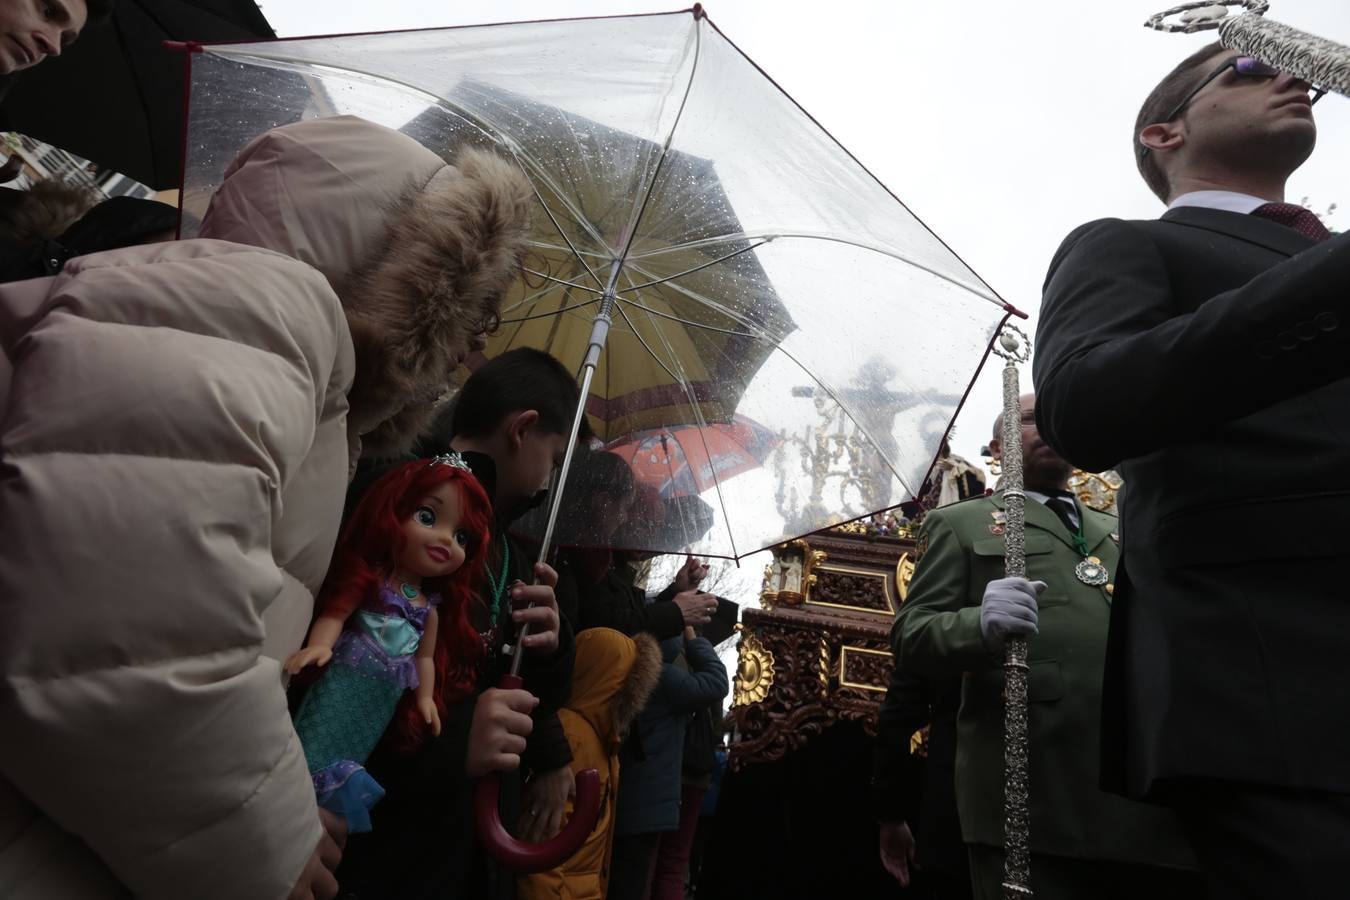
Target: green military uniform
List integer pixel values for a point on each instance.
(938, 634)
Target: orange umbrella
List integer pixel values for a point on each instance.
(687, 460)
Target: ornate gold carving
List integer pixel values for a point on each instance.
(755, 671)
(789, 578)
(807, 695)
(890, 524)
(1097, 490)
(824, 673)
(850, 587)
(864, 668)
(904, 572)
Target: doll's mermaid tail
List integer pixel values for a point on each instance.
(339, 723)
(347, 789)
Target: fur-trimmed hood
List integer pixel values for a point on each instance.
(419, 251)
(613, 677)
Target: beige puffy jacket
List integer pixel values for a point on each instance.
(174, 451)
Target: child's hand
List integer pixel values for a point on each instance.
(689, 633)
(544, 804)
(310, 656)
(501, 720)
(537, 605)
(427, 707)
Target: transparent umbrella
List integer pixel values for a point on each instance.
(702, 252)
(698, 238)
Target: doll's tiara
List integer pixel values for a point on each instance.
(451, 459)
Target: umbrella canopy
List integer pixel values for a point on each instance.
(116, 96)
(689, 460)
(740, 253)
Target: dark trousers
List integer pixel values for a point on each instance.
(630, 868)
(1067, 878)
(1257, 842)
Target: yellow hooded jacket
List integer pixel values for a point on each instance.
(613, 677)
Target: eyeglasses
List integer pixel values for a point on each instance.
(1243, 67)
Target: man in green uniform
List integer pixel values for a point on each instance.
(1084, 842)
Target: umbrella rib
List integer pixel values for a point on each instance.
(530, 300)
(707, 451)
(857, 423)
(648, 347)
(491, 131)
(545, 315)
(698, 414)
(689, 322)
(547, 277)
(699, 298)
(647, 284)
(660, 160)
(805, 235)
(562, 234)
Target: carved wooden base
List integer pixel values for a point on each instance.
(805, 668)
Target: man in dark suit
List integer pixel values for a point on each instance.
(1205, 354)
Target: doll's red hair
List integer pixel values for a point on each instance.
(366, 553)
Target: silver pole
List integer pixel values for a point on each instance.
(1014, 348)
(1322, 63)
(599, 334)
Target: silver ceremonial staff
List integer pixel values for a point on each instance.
(1014, 346)
(1322, 63)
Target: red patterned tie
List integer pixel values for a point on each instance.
(1299, 218)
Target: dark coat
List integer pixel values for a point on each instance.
(920, 790)
(612, 600)
(649, 767)
(1206, 353)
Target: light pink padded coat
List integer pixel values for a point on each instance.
(173, 459)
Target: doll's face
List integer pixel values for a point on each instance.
(434, 543)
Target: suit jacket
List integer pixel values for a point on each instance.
(937, 634)
(1206, 354)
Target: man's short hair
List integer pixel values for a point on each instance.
(517, 380)
(1163, 99)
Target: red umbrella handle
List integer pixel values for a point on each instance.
(517, 854)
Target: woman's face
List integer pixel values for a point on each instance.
(32, 30)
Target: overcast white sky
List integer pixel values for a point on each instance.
(1002, 125)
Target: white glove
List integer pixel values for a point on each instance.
(1008, 609)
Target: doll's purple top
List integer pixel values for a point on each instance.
(381, 638)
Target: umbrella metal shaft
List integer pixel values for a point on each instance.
(599, 335)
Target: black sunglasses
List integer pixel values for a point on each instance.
(1243, 67)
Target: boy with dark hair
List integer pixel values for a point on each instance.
(516, 412)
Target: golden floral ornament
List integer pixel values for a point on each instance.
(754, 673)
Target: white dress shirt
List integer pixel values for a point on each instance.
(1231, 201)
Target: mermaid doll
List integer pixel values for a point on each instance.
(392, 627)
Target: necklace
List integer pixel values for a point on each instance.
(498, 585)
(1089, 570)
(409, 591)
